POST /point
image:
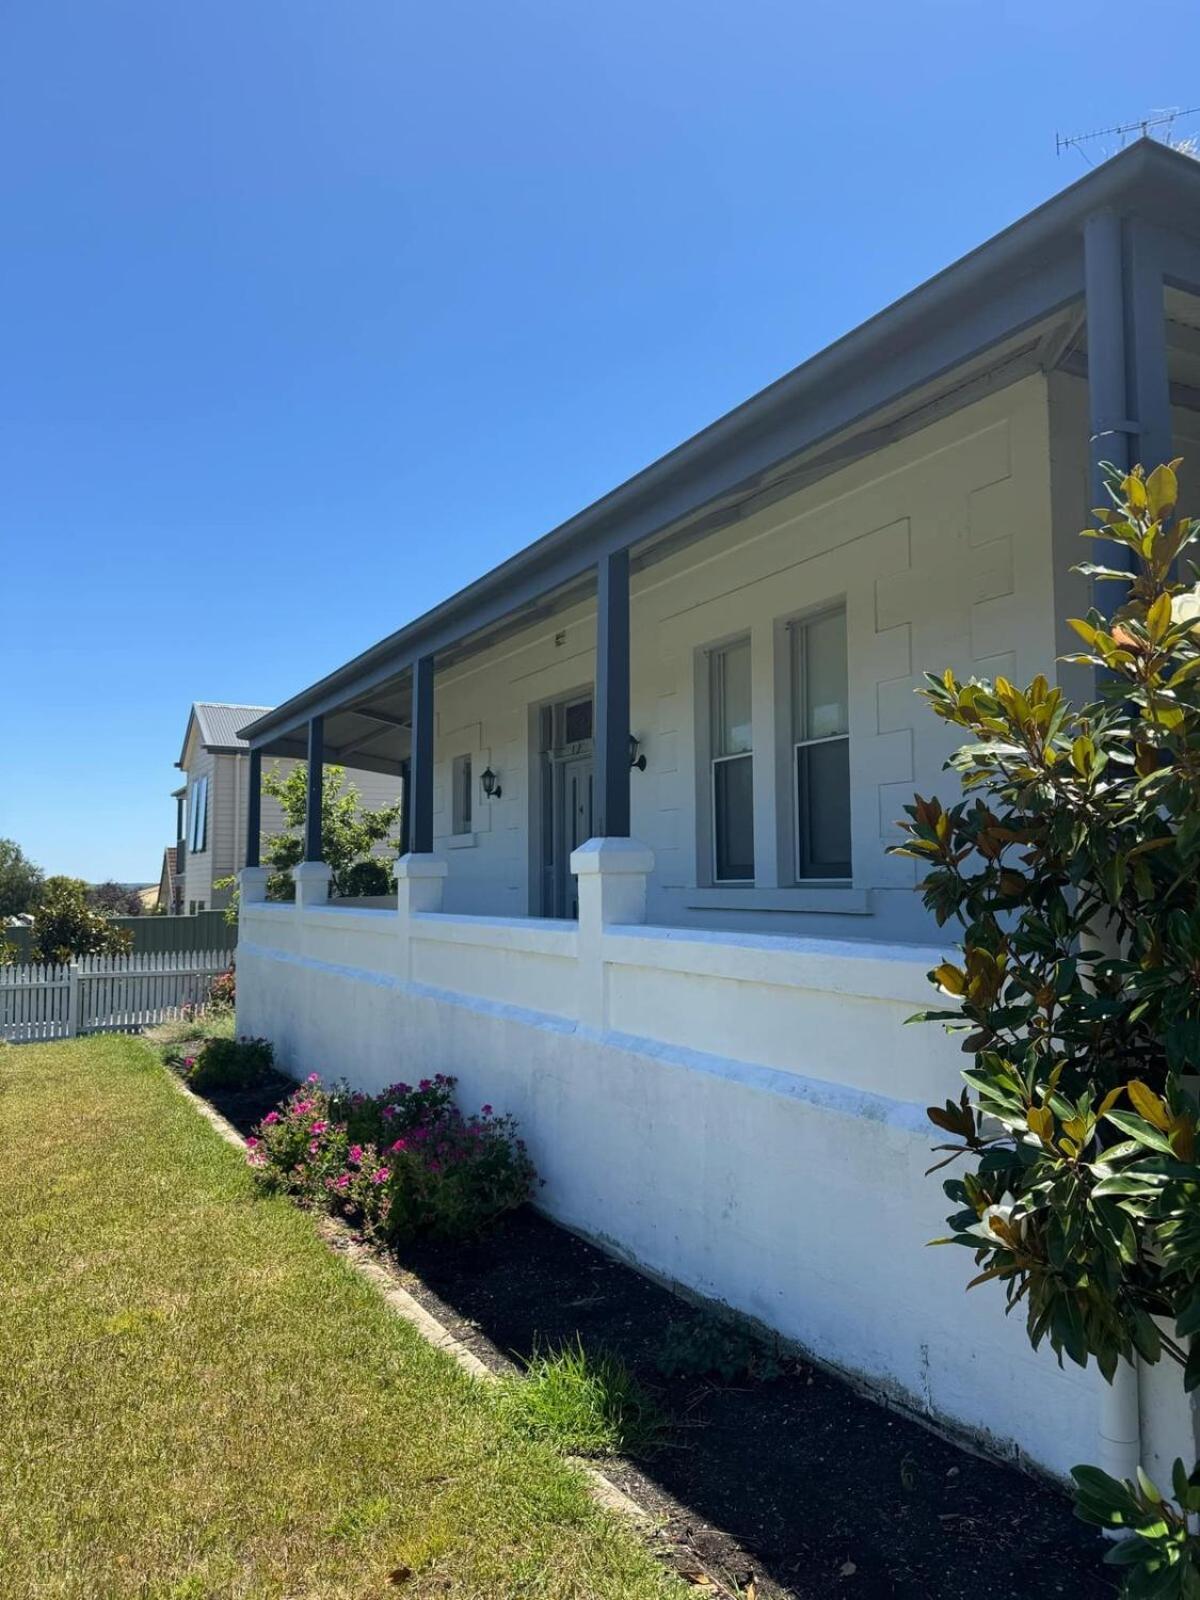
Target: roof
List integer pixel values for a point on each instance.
(217, 724)
(1027, 273)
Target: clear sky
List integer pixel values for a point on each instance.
(311, 311)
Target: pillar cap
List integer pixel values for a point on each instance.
(612, 855)
(420, 865)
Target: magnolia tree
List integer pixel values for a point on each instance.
(1071, 868)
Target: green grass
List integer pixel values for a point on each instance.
(588, 1404)
(198, 1399)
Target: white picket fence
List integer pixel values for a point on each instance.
(104, 994)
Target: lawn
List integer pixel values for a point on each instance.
(198, 1399)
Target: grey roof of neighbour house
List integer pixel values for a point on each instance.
(1008, 307)
(217, 725)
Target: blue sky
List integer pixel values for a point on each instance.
(313, 311)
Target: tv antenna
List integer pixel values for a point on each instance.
(1142, 127)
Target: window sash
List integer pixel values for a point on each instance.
(726, 870)
(813, 815)
(809, 866)
(461, 797)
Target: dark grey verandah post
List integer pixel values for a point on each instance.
(612, 819)
(420, 830)
(316, 778)
(254, 808)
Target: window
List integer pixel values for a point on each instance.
(460, 798)
(200, 905)
(732, 764)
(198, 827)
(191, 908)
(821, 740)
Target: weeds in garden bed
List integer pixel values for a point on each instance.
(586, 1403)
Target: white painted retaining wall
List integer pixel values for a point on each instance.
(742, 1115)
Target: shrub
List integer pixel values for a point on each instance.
(714, 1347)
(229, 1064)
(65, 926)
(586, 1404)
(222, 991)
(1073, 870)
(300, 1148)
(367, 877)
(405, 1163)
(449, 1179)
(183, 1038)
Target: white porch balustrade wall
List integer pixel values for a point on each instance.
(742, 1116)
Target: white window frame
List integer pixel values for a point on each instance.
(796, 630)
(712, 655)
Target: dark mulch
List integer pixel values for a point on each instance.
(246, 1108)
(801, 1480)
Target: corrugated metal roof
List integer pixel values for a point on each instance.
(218, 723)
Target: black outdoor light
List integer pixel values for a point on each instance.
(636, 759)
(491, 788)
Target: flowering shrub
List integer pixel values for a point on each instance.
(229, 1064)
(300, 1148)
(405, 1163)
(222, 991)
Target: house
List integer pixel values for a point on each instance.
(655, 762)
(211, 806)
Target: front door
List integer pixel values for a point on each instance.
(566, 799)
(575, 791)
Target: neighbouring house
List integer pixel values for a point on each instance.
(169, 896)
(211, 806)
(654, 763)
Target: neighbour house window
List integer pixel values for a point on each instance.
(821, 746)
(732, 764)
(191, 908)
(198, 829)
(461, 797)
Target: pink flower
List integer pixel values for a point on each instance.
(487, 1111)
(313, 1077)
(355, 1153)
(271, 1118)
(314, 1146)
(342, 1181)
(251, 1144)
(400, 1144)
(189, 1061)
(425, 1084)
(388, 1113)
(302, 1105)
(319, 1127)
(380, 1175)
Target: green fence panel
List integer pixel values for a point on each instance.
(207, 930)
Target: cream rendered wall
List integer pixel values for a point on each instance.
(940, 548)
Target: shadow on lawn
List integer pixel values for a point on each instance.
(816, 1489)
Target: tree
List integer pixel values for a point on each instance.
(65, 926)
(350, 834)
(20, 880)
(1072, 868)
(114, 899)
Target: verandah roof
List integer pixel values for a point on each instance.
(1010, 307)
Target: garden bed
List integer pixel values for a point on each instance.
(795, 1478)
(801, 1480)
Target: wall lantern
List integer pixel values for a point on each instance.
(636, 759)
(491, 787)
